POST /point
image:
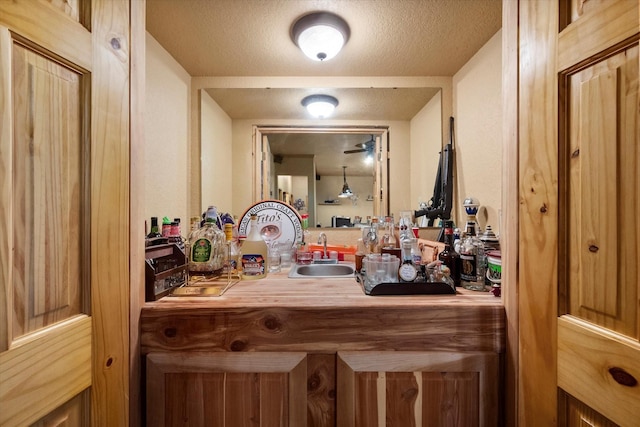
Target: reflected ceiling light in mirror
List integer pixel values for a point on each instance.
(320, 35)
(346, 191)
(320, 106)
(368, 160)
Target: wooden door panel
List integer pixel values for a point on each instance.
(603, 193)
(417, 388)
(47, 176)
(45, 371)
(574, 413)
(600, 369)
(27, 19)
(227, 389)
(71, 414)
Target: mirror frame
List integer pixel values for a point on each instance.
(381, 160)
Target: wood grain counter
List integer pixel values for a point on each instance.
(319, 352)
(332, 314)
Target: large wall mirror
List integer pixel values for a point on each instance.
(403, 117)
(309, 167)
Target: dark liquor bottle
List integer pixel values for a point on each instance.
(155, 230)
(449, 256)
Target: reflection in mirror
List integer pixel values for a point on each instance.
(308, 169)
(412, 113)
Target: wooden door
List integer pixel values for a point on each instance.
(599, 284)
(417, 389)
(226, 389)
(579, 280)
(64, 246)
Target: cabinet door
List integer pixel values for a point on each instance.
(417, 389)
(226, 389)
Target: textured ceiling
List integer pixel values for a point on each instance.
(389, 38)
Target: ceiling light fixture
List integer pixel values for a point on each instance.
(320, 35)
(320, 106)
(346, 191)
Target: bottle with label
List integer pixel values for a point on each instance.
(233, 252)
(254, 253)
(449, 256)
(175, 235)
(408, 271)
(155, 230)
(166, 227)
(471, 259)
(207, 251)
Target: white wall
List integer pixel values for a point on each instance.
(166, 135)
(477, 96)
(300, 166)
(216, 156)
(426, 142)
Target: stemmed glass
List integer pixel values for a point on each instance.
(270, 232)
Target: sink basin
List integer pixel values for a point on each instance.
(321, 270)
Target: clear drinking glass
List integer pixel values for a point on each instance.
(274, 259)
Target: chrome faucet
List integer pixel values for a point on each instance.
(322, 239)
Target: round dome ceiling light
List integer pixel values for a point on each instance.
(320, 106)
(320, 35)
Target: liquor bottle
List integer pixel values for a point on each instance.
(166, 227)
(233, 252)
(389, 238)
(175, 235)
(207, 251)
(408, 271)
(449, 256)
(254, 253)
(155, 231)
(416, 253)
(471, 256)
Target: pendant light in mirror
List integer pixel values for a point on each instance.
(320, 106)
(346, 191)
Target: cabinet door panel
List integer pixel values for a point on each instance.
(417, 389)
(226, 389)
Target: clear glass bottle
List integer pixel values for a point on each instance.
(207, 250)
(233, 252)
(389, 238)
(471, 260)
(254, 253)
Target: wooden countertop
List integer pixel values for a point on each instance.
(282, 314)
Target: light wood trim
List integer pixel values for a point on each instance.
(73, 44)
(110, 210)
(587, 36)
(538, 212)
(510, 185)
(136, 185)
(585, 355)
(58, 360)
(6, 172)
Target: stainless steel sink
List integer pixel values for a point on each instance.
(321, 270)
